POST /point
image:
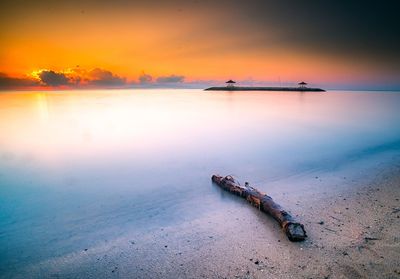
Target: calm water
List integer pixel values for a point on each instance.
(84, 167)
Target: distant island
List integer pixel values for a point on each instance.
(230, 87)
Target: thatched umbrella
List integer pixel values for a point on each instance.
(302, 84)
(230, 83)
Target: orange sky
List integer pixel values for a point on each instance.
(199, 42)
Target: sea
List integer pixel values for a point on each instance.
(81, 168)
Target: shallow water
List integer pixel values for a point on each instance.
(80, 168)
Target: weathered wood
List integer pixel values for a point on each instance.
(294, 230)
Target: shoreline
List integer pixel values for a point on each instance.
(352, 225)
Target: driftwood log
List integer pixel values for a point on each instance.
(294, 230)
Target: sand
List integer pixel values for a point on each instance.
(353, 224)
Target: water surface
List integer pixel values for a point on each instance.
(80, 168)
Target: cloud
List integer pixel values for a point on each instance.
(82, 78)
(12, 82)
(102, 77)
(78, 77)
(73, 78)
(52, 78)
(145, 78)
(171, 78)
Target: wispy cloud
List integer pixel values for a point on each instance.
(13, 82)
(145, 78)
(171, 79)
(100, 77)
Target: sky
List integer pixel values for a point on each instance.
(100, 44)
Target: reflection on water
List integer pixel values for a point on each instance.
(83, 167)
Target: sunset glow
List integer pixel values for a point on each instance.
(202, 42)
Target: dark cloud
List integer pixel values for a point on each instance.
(330, 26)
(12, 82)
(145, 78)
(171, 78)
(354, 31)
(52, 78)
(100, 77)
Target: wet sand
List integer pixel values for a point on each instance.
(352, 224)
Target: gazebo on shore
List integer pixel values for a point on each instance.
(302, 84)
(230, 83)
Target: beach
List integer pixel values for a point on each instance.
(352, 228)
(150, 210)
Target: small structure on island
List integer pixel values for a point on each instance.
(231, 87)
(230, 83)
(302, 84)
